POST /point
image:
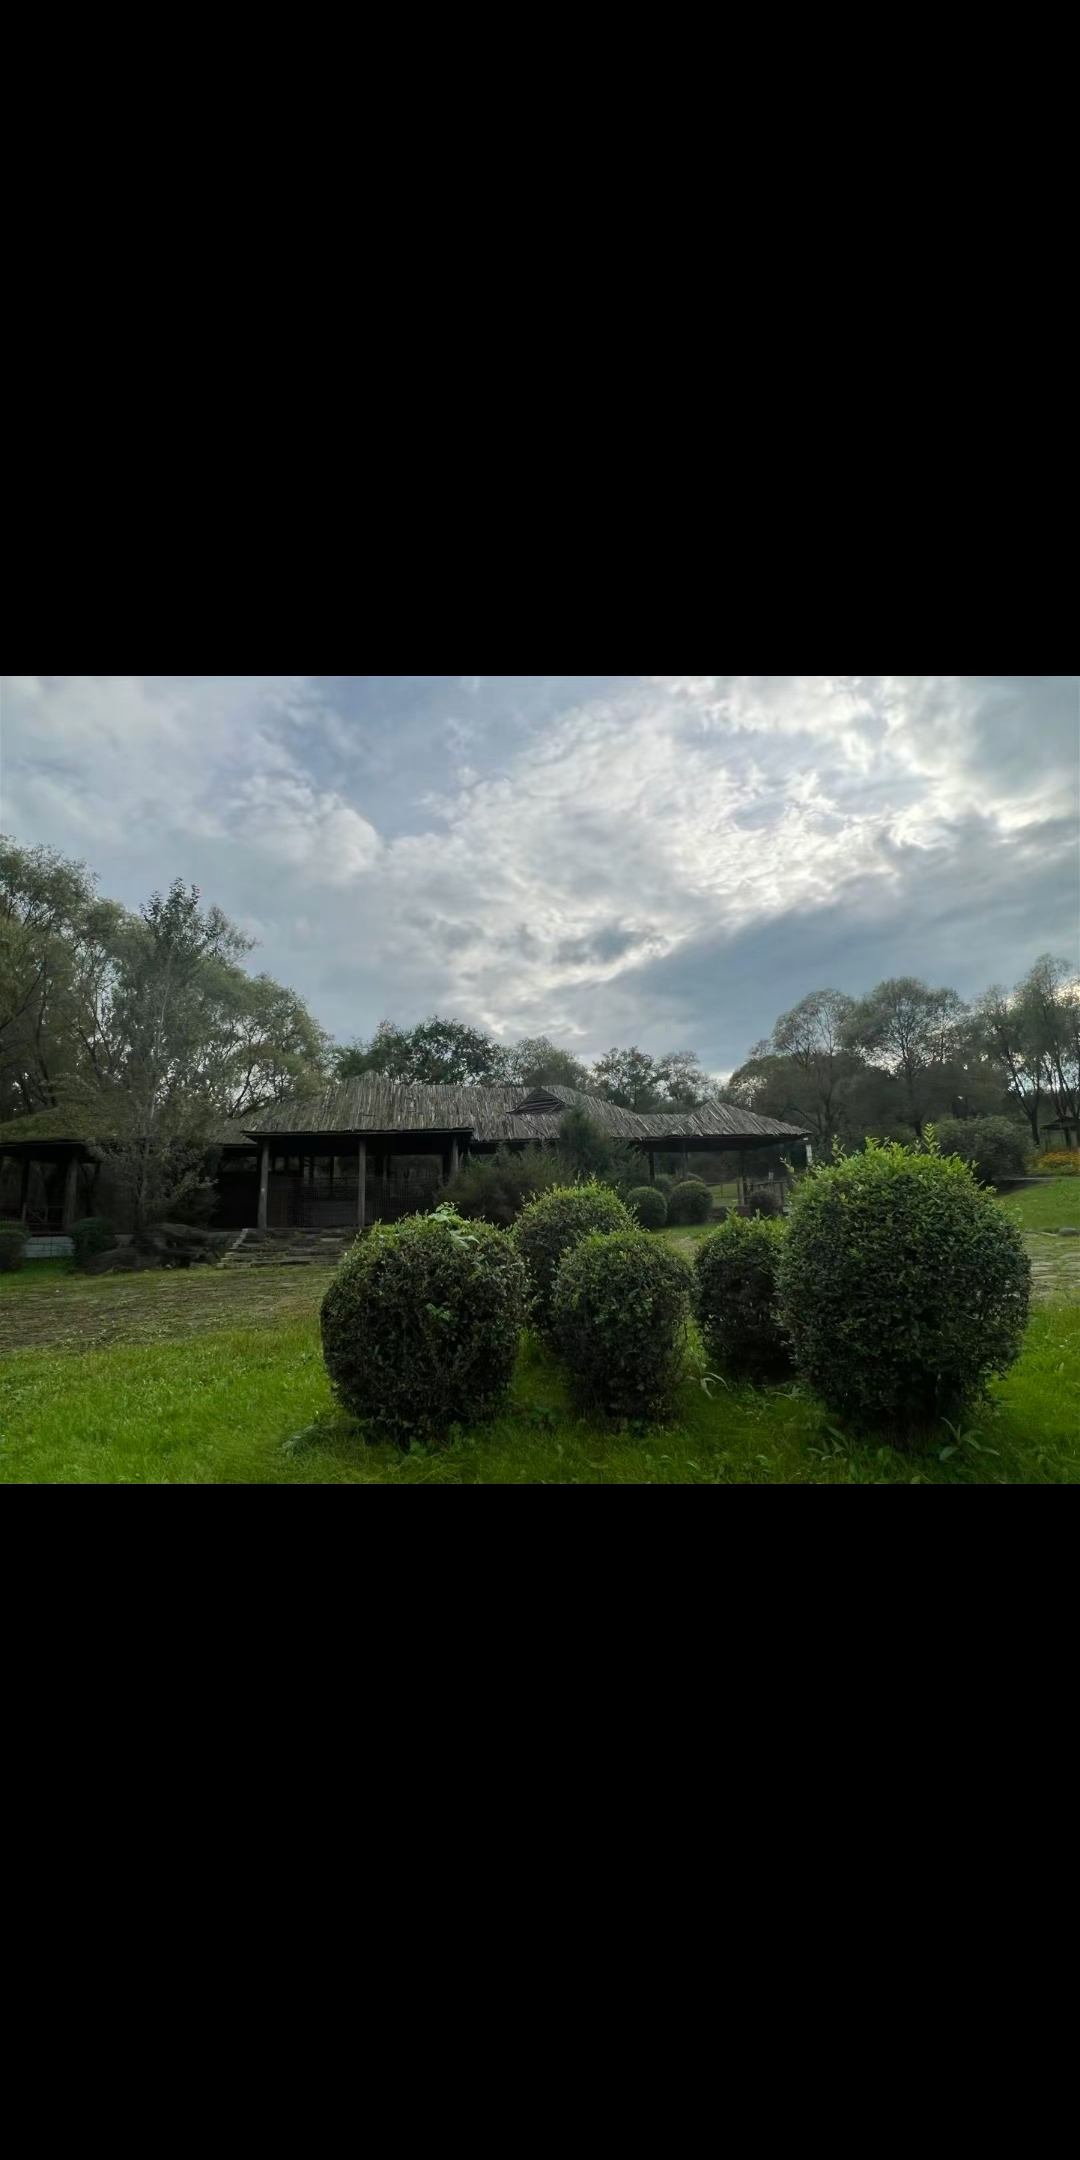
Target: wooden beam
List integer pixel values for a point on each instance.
(264, 1182)
(71, 1186)
(361, 1176)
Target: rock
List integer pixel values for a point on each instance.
(103, 1263)
(1068, 1230)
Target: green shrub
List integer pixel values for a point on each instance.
(1060, 1162)
(996, 1147)
(648, 1205)
(903, 1287)
(736, 1299)
(663, 1183)
(12, 1247)
(551, 1225)
(622, 1301)
(763, 1202)
(689, 1201)
(497, 1187)
(420, 1325)
(593, 1153)
(92, 1235)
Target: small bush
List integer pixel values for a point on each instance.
(903, 1287)
(621, 1305)
(996, 1147)
(1060, 1162)
(12, 1247)
(497, 1187)
(762, 1202)
(420, 1325)
(690, 1201)
(93, 1235)
(551, 1225)
(663, 1183)
(648, 1205)
(737, 1301)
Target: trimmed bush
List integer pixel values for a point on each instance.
(92, 1235)
(996, 1147)
(903, 1286)
(497, 1187)
(648, 1205)
(737, 1302)
(690, 1201)
(420, 1325)
(1060, 1162)
(763, 1202)
(621, 1305)
(12, 1247)
(551, 1226)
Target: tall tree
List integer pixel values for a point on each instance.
(436, 1050)
(907, 1028)
(1034, 1032)
(630, 1078)
(683, 1079)
(534, 1062)
(811, 1036)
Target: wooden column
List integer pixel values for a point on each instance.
(264, 1182)
(71, 1186)
(652, 1167)
(454, 1158)
(361, 1174)
(25, 1192)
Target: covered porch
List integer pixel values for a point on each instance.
(323, 1181)
(47, 1184)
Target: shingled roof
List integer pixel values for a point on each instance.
(371, 1104)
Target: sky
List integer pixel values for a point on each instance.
(667, 860)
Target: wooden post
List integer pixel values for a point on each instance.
(454, 1158)
(24, 1195)
(71, 1184)
(361, 1183)
(652, 1167)
(264, 1182)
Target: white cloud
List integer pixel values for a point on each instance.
(639, 826)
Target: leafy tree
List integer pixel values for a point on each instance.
(534, 1062)
(684, 1080)
(630, 1078)
(907, 1029)
(811, 1037)
(1034, 1033)
(435, 1051)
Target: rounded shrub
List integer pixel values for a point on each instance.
(92, 1235)
(420, 1325)
(690, 1201)
(736, 1298)
(621, 1306)
(12, 1247)
(996, 1147)
(648, 1205)
(554, 1223)
(1060, 1162)
(763, 1202)
(903, 1286)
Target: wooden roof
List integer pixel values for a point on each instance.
(371, 1104)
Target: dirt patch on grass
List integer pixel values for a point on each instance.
(70, 1316)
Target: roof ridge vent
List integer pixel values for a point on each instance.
(538, 1104)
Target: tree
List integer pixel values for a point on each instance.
(534, 1062)
(436, 1050)
(811, 1037)
(630, 1078)
(684, 1080)
(1034, 1033)
(906, 1029)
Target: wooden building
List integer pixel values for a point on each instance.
(371, 1149)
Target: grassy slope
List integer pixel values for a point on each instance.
(140, 1383)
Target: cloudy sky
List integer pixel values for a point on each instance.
(662, 859)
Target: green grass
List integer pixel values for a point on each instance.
(1052, 1205)
(252, 1406)
(215, 1377)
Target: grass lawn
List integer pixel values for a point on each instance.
(215, 1377)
